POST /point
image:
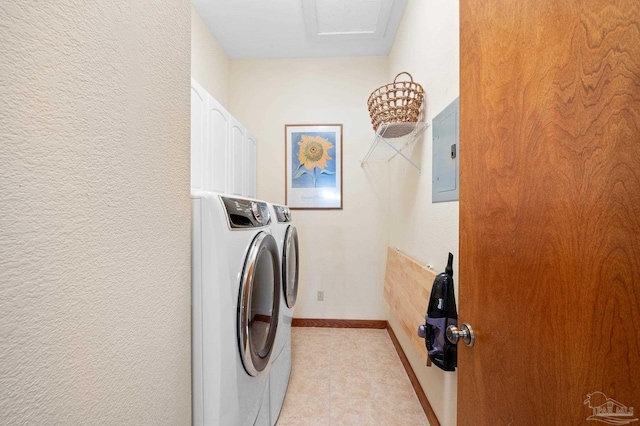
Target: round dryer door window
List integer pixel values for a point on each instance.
(290, 266)
(259, 303)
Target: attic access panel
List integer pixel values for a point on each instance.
(446, 139)
(348, 21)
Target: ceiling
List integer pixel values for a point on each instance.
(302, 28)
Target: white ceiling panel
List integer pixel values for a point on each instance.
(302, 28)
(354, 16)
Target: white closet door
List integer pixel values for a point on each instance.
(250, 163)
(236, 157)
(216, 148)
(198, 134)
(223, 153)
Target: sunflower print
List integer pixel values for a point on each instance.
(314, 151)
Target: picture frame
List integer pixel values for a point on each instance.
(313, 166)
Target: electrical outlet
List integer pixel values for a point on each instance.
(320, 295)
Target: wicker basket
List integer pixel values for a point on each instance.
(397, 102)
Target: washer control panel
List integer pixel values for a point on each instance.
(244, 213)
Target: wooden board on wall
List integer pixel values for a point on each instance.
(407, 287)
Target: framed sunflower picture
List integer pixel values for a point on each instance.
(313, 166)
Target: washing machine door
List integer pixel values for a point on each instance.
(290, 266)
(259, 303)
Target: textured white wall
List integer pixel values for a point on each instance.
(209, 64)
(94, 216)
(343, 252)
(427, 46)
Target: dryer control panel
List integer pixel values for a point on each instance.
(243, 213)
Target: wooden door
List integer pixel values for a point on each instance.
(549, 211)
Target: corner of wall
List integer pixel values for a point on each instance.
(210, 65)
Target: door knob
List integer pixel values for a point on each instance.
(422, 331)
(465, 333)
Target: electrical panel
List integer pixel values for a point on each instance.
(446, 135)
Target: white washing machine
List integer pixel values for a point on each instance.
(286, 235)
(236, 297)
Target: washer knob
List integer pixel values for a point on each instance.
(255, 209)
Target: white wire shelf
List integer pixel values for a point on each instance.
(391, 139)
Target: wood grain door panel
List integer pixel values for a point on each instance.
(549, 208)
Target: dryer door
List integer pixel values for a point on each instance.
(290, 266)
(259, 303)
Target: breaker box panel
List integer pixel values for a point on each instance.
(446, 147)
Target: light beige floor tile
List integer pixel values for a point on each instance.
(352, 411)
(382, 349)
(309, 381)
(302, 410)
(355, 384)
(348, 377)
(400, 412)
(312, 359)
(310, 333)
(391, 387)
(305, 347)
(384, 363)
(348, 360)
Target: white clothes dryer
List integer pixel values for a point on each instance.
(286, 236)
(235, 295)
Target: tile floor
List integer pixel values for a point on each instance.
(346, 376)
